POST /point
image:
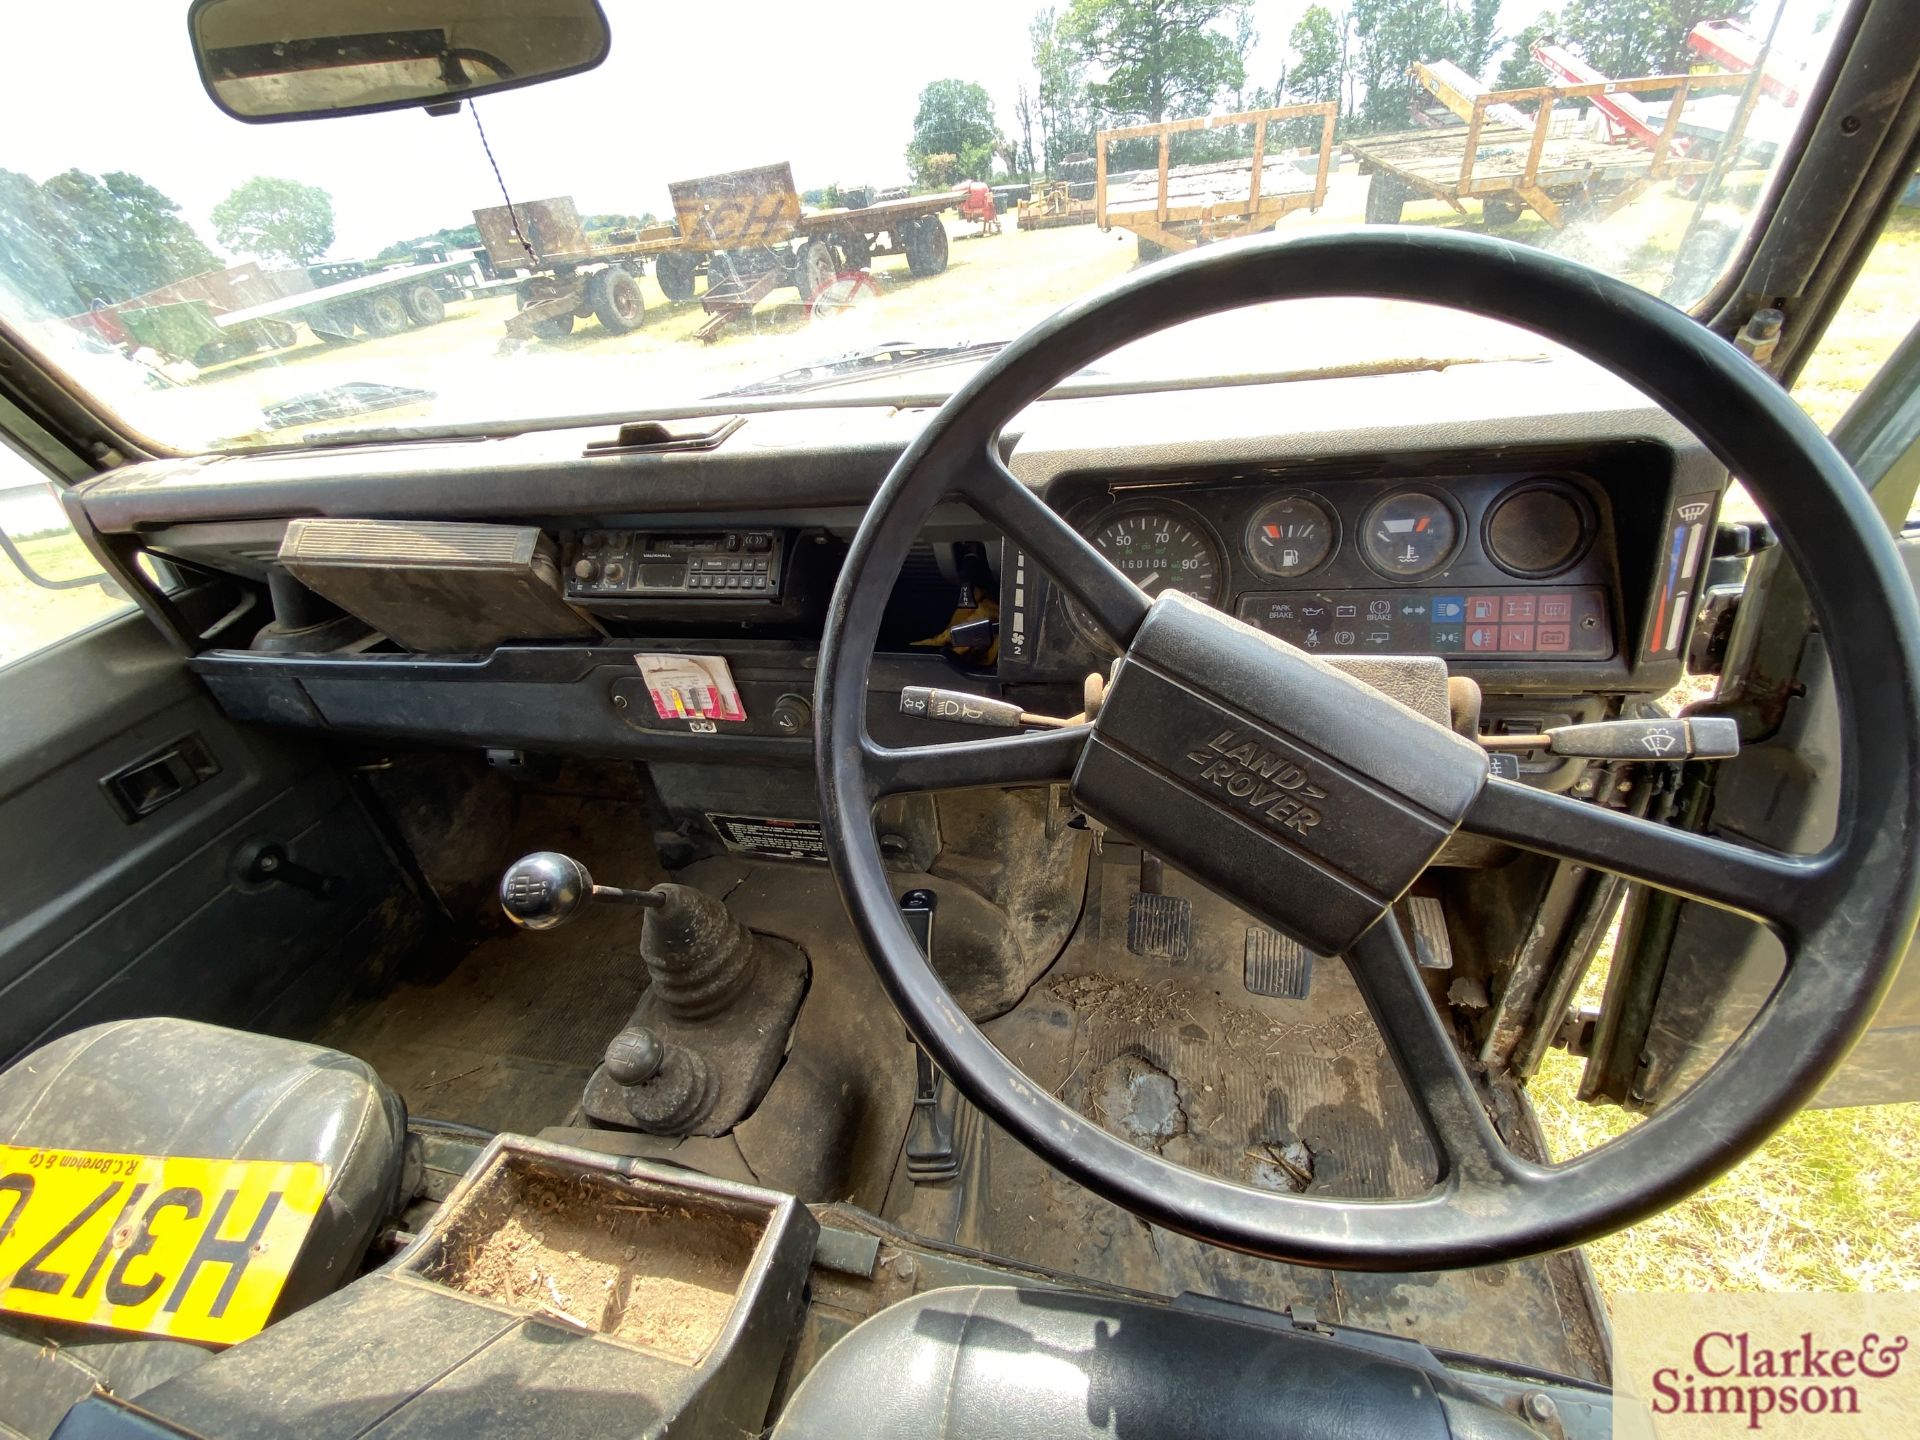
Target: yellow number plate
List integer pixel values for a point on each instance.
(196, 1249)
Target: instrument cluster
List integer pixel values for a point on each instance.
(1486, 566)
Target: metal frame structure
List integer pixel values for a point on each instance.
(1452, 163)
(1180, 227)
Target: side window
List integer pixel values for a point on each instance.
(50, 587)
(1869, 326)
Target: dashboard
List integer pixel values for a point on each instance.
(1546, 538)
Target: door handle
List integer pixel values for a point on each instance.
(159, 779)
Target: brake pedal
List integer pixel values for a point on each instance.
(1277, 967)
(1427, 919)
(1160, 927)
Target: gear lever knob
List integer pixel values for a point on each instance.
(546, 888)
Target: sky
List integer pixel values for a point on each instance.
(687, 90)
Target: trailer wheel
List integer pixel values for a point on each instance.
(425, 306)
(856, 250)
(384, 315)
(1386, 199)
(926, 246)
(674, 270)
(814, 269)
(1497, 212)
(616, 301)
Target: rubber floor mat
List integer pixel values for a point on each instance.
(1290, 1095)
(508, 1039)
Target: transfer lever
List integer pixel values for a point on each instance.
(546, 888)
(1710, 737)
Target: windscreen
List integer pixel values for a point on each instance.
(776, 200)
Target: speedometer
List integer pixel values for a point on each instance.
(1161, 550)
(1158, 548)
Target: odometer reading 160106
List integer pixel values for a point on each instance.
(1160, 551)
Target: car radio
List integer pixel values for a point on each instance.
(674, 564)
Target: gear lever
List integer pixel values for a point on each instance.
(709, 1031)
(546, 888)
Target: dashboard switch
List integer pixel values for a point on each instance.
(792, 714)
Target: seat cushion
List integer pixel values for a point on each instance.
(980, 1360)
(178, 1087)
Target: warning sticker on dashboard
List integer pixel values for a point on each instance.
(768, 836)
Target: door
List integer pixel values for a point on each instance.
(158, 859)
(1841, 253)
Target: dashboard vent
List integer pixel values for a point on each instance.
(437, 587)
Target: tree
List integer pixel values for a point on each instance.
(77, 238)
(1023, 116)
(1627, 38)
(955, 120)
(34, 241)
(131, 236)
(1161, 58)
(1391, 35)
(1066, 119)
(1479, 36)
(1520, 71)
(1317, 72)
(276, 219)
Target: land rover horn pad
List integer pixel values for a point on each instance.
(1307, 795)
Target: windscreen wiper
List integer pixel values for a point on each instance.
(889, 358)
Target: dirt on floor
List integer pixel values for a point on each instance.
(592, 1256)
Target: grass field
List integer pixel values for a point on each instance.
(1830, 1203)
(32, 616)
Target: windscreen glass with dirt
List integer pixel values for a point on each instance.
(741, 198)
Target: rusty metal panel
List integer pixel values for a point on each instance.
(742, 207)
(551, 227)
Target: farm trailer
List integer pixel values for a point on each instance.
(225, 314)
(1176, 207)
(1509, 166)
(376, 303)
(744, 230)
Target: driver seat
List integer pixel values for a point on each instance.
(178, 1087)
(974, 1360)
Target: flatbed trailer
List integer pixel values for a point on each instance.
(1508, 167)
(1176, 207)
(381, 302)
(219, 316)
(745, 231)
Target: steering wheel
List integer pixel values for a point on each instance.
(1344, 795)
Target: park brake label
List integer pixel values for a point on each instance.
(193, 1249)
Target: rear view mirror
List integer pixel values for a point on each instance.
(265, 60)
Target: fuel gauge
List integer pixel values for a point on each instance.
(1290, 536)
(1409, 534)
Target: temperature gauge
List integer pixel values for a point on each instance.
(1290, 536)
(1409, 534)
